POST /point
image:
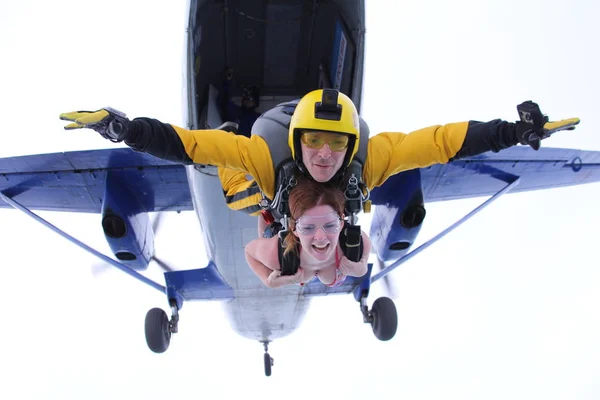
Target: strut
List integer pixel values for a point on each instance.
(440, 235)
(84, 246)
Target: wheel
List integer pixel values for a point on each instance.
(268, 364)
(158, 335)
(385, 318)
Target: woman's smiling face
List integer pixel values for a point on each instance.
(318, 230)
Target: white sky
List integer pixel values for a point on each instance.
(504, 307)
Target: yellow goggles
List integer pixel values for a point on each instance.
(316, 140)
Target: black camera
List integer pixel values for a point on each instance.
(328, 107)
(330, 98)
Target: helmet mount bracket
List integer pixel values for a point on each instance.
(329, 108)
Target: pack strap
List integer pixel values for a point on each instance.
(290, 262)
(351, 242)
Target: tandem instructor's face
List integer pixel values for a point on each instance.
(322, 164)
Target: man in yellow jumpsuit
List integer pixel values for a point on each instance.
(324, 136)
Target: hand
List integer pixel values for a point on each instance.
(353, 268)
(276, 280)
(108, 122)
(535, 126)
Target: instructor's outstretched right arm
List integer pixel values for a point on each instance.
(170, 142)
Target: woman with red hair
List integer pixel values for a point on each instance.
(317, 221)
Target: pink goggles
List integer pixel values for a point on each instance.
(330, 223)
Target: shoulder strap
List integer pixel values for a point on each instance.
(351, 242)
(289, 262)
(285, 181)
(361, 154)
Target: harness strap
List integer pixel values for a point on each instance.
(289, 262)
(351, 242)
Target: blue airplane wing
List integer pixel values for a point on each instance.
(198, 284)
(75, 181)
(486, 174)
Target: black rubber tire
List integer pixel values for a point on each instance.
(385, 318)
(268, 363)
(158, 335)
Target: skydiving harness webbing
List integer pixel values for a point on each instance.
(273, 126)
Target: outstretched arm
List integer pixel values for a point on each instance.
(392, 152)
(170, 142)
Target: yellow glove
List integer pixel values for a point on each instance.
(562, 125)
(108, 122)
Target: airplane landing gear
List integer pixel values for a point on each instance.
(159, 328)
(268, 360)
(383, 317)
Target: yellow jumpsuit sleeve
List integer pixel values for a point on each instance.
(389, 153)
(227, 150)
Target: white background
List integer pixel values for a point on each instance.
(504, 307)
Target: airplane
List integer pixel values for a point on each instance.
(323, 48)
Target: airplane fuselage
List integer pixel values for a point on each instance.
(256, 312)
(324, 47)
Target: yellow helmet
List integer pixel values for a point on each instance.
(325, 110)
